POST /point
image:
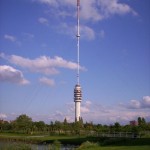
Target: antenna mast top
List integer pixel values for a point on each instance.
(78, 40)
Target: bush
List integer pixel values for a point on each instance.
(88, 145)
(56, 145)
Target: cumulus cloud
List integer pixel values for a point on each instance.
(85, 107)
(10, 37)
(92, 10)
(134, 104)
(42, 64)
(43, 21)
(111, 114)
(28, 35)
(145, 103)
(112, 7)
(87, 32)
(47, 81)
(98, 113)
(10, 74)
(139, 104)
(3, 116)
(49, 2)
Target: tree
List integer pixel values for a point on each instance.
(139, 121)
(127, 128)
(81, 121)
(4, 125)
(142, 123)
(58, 126)
(51, 127)
(65, 126)
(65, 121)
(117, 126)
(40, 125)
(23, 123)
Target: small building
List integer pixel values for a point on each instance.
(133, 123)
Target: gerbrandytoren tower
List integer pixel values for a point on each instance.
(77, 89)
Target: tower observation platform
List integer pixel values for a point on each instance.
(77, 100)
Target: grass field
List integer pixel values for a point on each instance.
(103, 143)
(94, 146)
(118, 148)
(127, 148)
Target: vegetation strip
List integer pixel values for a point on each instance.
(24, 130)
(76, 140)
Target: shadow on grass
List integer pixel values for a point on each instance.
(126, 142)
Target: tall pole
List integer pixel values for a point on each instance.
(77, 89)
(78, 41)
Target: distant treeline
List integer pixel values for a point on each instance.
(24, 125)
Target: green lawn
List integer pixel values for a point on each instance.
(125, 148)
(95, 146)
(106, 143)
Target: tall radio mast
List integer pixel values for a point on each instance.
(78, 39)
(77, 89)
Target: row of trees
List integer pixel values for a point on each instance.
(24, 124)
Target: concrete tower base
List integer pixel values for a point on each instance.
(77, 100)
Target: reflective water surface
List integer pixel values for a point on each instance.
(9, 145)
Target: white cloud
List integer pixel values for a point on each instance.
(58, 114)
(10, 74)
(98, 10)
(86, 32)
(97, 113)
(91, 10)
(43, 21)
(85, 107)
(10, 37)
(113, 7)
(136, 104)
(28, 35)
(47, 81)
(67, 29)
(3, 116)
(49, 2)
(88, 103)
(109, 115)
(146, 102)
(43, 64)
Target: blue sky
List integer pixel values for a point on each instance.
(38, 65)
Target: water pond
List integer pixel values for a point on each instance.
(19, 145)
